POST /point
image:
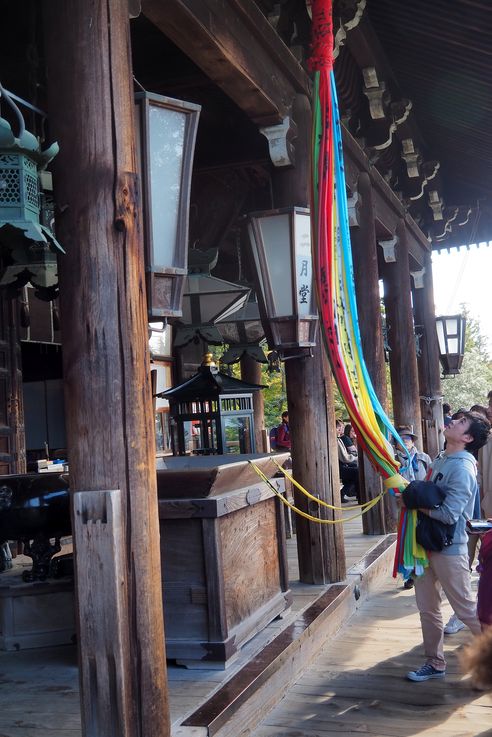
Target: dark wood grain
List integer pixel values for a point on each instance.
(428, 364)
(366, 276)
(401, 337)
(110, 428)
(233, 43)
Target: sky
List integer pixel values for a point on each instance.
(465, 276)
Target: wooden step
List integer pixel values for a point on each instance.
(244, 700)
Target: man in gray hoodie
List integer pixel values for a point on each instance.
(455, 471)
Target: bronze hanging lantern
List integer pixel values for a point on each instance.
(28, 248)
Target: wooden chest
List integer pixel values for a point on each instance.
(224, 565)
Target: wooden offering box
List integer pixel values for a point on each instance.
(224, 563)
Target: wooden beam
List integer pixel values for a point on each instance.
(106, 367)
(233, 43)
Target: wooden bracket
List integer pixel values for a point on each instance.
(279, 137)
(411, 157)
(418, 278)
(353, 209)
(436, 204)
(389, 249)
(376, 93)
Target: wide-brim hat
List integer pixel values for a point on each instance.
(406, 430)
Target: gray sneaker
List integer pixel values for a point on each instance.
(454, 625)
(425, 673)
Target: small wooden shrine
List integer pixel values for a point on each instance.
(212, 413)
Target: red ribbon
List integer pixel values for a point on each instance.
(322, 36)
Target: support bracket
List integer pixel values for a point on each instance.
(389, 249)
(279, 137)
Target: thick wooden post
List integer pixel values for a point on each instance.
(12, 433)
(108, 402)
(428, 363)
(251, 372)
(380, 519)
(401, 337)
(320, 547)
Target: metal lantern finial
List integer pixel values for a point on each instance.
(27, 248)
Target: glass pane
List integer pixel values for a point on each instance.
(205, 438)
(166, 133)
(276, 240)
(452, 326)
(440, 338)
(304, 265)
(452, 345)
(160, 342)
(162, 437)
(207, 299)
(237, 435)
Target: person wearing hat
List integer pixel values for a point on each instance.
(413, 469)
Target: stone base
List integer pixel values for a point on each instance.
(36, 614)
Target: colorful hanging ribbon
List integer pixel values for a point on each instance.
(332, 257)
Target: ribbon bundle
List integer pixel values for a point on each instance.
(332, 258)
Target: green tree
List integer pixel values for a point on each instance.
(472, 385)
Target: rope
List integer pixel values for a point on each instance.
(308, 516)
(315, 498)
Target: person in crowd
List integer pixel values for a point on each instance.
(477, 658)
(454, 471)
(454, 624)
(349, 469)
(485, 471)
(484, 596)
(416, 468)
(446, 412)
(413, 469)
(349, 439)
(283, 433)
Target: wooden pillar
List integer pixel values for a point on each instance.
(401, 337)
(310, 401)
(251, 372)
(12, 433)
(382, 518)
(428, 362)
(110, 427)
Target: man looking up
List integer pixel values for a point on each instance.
(455, 471)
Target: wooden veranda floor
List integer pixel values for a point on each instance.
(39, 694)
(357, 686)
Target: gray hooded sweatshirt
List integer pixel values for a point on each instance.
(456, 474)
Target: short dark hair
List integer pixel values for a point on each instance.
(479, 408)
(285, 414)
(339, 422)
(479, 429)
(347, 429)
(446, 408)
(459, 413)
